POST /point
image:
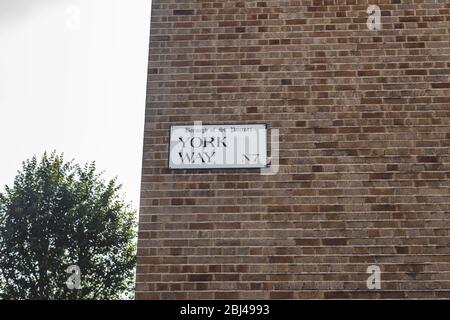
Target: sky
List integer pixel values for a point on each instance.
(73, 79)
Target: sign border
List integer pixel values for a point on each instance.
(217, 124)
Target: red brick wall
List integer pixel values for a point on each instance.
(364, 150)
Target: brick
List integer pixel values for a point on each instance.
(364, 172)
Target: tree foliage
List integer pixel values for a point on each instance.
(59, 214)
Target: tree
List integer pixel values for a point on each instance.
(59, 214)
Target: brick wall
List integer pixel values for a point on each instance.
(364, 150)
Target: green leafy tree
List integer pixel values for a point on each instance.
(59, 214)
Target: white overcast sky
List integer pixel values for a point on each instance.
(73, 79)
